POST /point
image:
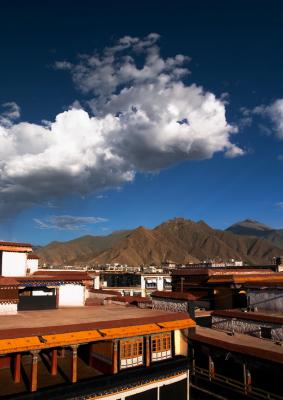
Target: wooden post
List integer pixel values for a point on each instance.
(211, 371)
(74, 371)
(247, 379)
(54, 362)
(17, 368)
(147, 351)
(115, 357)
(33, 380)
(62, 353)
(193, 360)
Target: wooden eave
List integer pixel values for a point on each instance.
(29, 343)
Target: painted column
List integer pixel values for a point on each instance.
(74, 366)
(17, 368)
(90, 355)
(54, 362)
(211, 370)
(115, 357)
(247, 379)
(33, 380)
(193, 360)
(188, 384)
(147, 351)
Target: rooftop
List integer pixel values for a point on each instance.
(274, 318)
(76, 319)
(131, 299)
(14, 246)
(244, 344)
(247, 278)
(221, 271)
(177, 295)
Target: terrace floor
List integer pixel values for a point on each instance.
(63, 319)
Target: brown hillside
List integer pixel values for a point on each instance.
(179, 240)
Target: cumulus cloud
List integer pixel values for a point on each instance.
(274, 112)
(143, 118)
(10, 112)
(67, 222)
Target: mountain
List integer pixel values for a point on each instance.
(178, 239)
(254, 228)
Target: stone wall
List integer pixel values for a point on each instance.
(247, 327)
(270, 299)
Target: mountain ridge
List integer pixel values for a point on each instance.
(250, 227)
(177, 239)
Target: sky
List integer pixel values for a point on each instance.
(116, 114)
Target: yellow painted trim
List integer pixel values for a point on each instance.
(66, 339)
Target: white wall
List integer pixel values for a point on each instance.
(71, 295)
(9, 309)
(181, 345)
(160, 283)
(32, 264)
(96, 281)
(14, 264)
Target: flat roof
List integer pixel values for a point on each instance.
(274, 318)
(187, 296)
(247, 278)
(265, 284)
(238, 343)
(72, 319)
(220, 271)
(15, 247)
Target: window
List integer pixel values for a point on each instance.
(131, 353)
(161, 347)
(265, 332)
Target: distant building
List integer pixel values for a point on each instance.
(222, 287)
(24, 287)
(135, 284)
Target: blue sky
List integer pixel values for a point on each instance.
(93, 170)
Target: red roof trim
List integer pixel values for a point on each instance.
(15, 244)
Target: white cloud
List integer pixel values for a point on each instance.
(11, 112)
(138, 99)
(67, 222)
(274, 112)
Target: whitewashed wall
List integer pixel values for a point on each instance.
(96, 282)
(181, 345)
(71, 295)
(14, 264)
(32, 264)
(8, 309)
